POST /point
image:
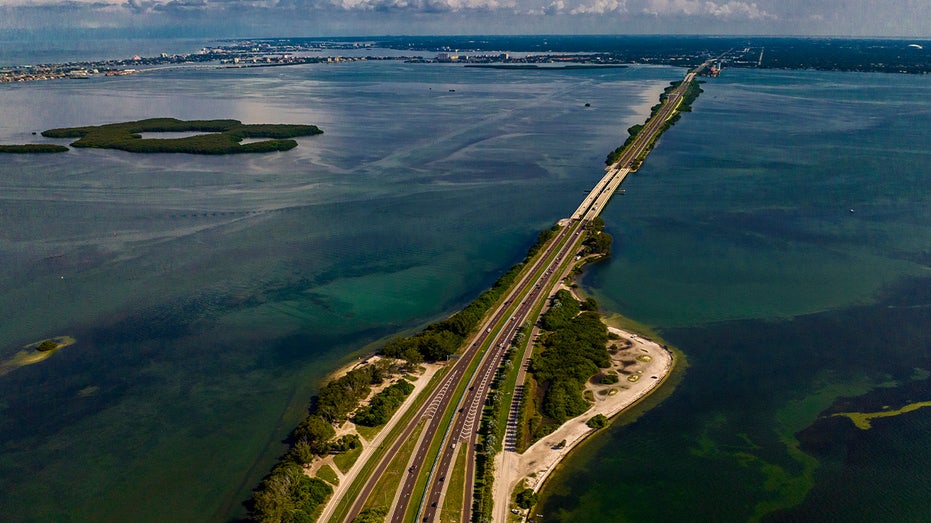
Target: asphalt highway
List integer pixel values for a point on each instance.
(496, 334)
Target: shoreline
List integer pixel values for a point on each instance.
(652, 363)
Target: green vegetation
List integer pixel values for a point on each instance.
(371, 515)
(563, 307)
(573, 351)
(326, 473)
(526, 498)
(685, 105)
(383, 405)
(632, 133)
(338, 398)
(455, 491)
(341, 396)
(32, 353)
(346, 460)
(393, 476)
(288, 495)
(368, 433)
(46, 345)
(444, 338)
(311, 438)
(491, 432)
(224, 136)
(31, 148)
(598, 421)
(314, 437)
(597, 241)
(368, 467)
(609, 378)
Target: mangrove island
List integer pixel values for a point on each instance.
(220, 137)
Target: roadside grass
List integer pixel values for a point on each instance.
(340, 513)
(528, 410)
(345, 460)
(528, 405)
(368, 433)
(508, 385)
(455, 490)
(392, 479)
(326, 473)
(315, 515)
(367, 469)
(434, 450)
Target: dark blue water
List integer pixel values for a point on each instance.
(209, 296)
(778, 235)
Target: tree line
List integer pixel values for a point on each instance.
(689, 96)
(287, 494)
(443, 338)
(283, 498)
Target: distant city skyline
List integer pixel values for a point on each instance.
(73, 19)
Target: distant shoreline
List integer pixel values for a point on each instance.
(547, 67)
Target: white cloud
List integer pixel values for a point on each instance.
(249, 17)
(600, 7)
(427, 6)
(727, 10)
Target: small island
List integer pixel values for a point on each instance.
(220, 137)
(35, 353)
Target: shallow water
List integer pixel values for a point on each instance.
(778, 236)
(208, 295)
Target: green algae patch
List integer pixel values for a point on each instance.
(34, 353)
(221, 136)
(862, 420)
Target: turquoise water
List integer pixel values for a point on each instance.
(208, 296)
(778, 235)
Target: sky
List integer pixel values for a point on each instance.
(63, 19)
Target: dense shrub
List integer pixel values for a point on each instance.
(31, 148)
(288, 495)
(598, 421)
(382, 406)
(224, 136)
(526, 498)
(572, 353)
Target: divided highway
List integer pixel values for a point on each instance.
(461, 433)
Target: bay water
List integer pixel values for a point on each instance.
(210, 295)
(778, 235)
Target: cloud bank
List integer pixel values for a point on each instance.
(360, 17)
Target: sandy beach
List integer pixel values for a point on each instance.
(642, 366)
